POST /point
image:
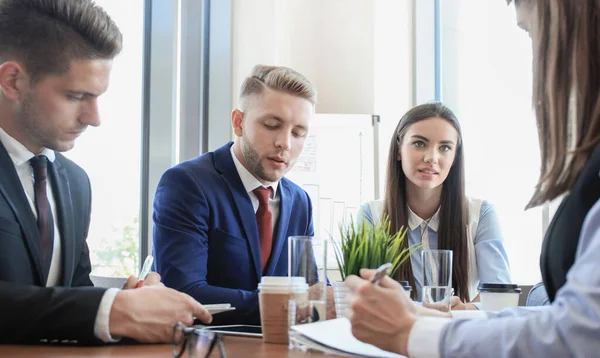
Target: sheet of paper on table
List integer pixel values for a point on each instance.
(336, 334)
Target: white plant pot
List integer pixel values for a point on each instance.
(340, 298)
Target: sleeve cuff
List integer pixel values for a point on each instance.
(469, 314)
(424, 337)
(101, 326)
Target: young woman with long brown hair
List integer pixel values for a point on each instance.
(425, 193)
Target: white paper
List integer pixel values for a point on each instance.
(337, 334)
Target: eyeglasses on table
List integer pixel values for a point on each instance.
(197, 342)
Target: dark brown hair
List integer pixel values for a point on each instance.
(566, 89)
(278, 78)
(46, 35)
(452, 232)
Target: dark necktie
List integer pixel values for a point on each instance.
(45, 221)
(265, 226)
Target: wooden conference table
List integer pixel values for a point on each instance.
(234, 347)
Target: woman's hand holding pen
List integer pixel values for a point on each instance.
(380, 314)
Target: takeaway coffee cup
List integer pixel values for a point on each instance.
(406, 286)
(498, 296)
(273, 299)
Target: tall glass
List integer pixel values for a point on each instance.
(437, 279)
(307, 257)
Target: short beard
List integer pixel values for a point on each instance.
(252, 160)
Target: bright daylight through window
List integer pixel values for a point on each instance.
(111, 153)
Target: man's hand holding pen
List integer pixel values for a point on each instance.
(145, 278)
(153, 279)
(150, 313)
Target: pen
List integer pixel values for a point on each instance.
(145, 270)
(380, 273)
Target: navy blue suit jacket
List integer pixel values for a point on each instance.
(206, 240)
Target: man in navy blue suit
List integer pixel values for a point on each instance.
(221, 220)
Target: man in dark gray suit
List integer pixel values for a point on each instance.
(55, 61)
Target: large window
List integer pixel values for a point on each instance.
(111, 153)
(485, 77)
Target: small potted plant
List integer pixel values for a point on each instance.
(366, 245)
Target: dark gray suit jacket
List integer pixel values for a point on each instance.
(29, 312)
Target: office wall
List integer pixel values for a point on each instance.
(356, 52)
(331, 42)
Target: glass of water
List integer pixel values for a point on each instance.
(307, 257)
(437, 279)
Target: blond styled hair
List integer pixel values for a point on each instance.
(277, 78)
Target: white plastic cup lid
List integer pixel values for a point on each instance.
(283, 283)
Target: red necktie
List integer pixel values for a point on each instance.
(45, 222)
(265, 226)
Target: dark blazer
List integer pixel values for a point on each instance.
(20, 257)
(33, 314)
(206, 239)
(562, 237)
(29, 312)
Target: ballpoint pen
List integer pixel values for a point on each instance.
(145, 270)
(380, 273)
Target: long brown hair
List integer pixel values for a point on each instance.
(452, 232)
(566, 89)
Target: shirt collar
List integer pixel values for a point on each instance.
(250, 182)
(414, 221)
(17, 151)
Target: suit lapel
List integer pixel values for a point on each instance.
(64, 206)
(245, 212)
(280, 232)
(12, 189)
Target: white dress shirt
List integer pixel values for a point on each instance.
(487, 262)
(250, 183)
(20, 157)
(415, 221)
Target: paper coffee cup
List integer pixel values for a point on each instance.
(406, 286)
(273, 299)
(498, 296)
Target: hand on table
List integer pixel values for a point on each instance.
(457, 305)
(148, 314)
